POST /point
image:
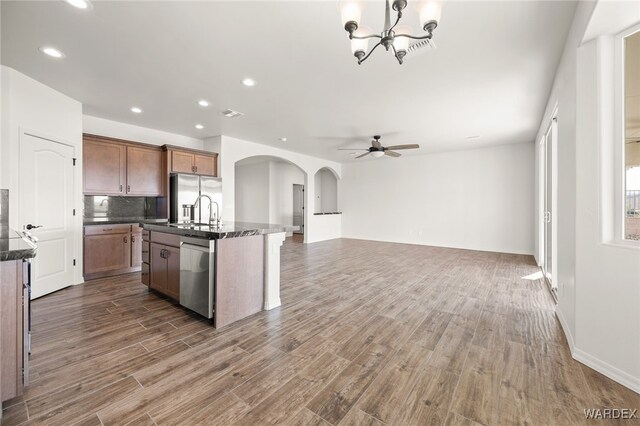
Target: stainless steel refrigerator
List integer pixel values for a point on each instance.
(185, 189)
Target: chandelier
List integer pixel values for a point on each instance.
(392, 37)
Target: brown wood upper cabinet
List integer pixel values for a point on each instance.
(104, 165)
(117, 167)
(205, 165)
(144, 171)
(184, 161)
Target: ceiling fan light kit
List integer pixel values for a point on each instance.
(392, 37)
(377, 150)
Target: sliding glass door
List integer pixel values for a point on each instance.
(548, 213)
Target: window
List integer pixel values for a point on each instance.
(632, 136)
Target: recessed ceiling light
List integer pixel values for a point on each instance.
(229, 113)
(283, 139)
(474, 137)
(203, 103)
(249, 82)
(136, 110)
(80, 4)
(52, 51)
(199, 126)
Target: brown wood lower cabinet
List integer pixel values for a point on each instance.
(145, 276)
(165, 269)
(136, 249)
(111, 250)
(13, 317)
(173, 272)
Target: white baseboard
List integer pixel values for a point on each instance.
(565, 328)
(608, 370)
(506, 250)
(590, 361)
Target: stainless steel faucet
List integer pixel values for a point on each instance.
(211, 202)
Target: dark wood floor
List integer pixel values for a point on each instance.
(368, 333)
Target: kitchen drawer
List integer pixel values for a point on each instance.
(145, 251)
(145, 234)
(166, 239)
(144, 276)
(106, 229)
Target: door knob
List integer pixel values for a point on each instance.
(30, 226)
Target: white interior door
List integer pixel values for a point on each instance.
(298, 207)
(549, 208)
(46, 201)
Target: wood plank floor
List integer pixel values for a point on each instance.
(369, 333)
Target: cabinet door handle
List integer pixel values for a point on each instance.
(128, 188)
(196, 167)
(162, 254)
(125, 238)
(120, 188)
(133, 238)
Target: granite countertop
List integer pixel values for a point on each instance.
(227, 230)
(120, 220)
(13, 246)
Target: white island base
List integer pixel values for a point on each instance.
(272, 244)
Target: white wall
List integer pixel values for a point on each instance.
(563, 96)
(607, 299)
(329, 191)
(317, 181)
(116, 129)
(214, 144)
(233, 150)
(328, 226)
(264, 191)
(282, 178)
(598, 279)
(252, 189)
(477, 199)
(326, 191)
(30, 105)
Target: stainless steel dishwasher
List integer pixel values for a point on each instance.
(197, 275)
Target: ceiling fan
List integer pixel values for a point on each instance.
(377, 150)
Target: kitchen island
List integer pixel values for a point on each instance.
(15, 252)
(225, 273)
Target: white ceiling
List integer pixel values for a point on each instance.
(490, 75)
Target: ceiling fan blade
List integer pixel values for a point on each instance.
(363, 155)
(410, 146)
(376, 144)
(392, 154)
(353, 149)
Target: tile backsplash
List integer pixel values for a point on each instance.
(4, 207)
(119, 207)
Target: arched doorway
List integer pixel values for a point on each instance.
(270, 189)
